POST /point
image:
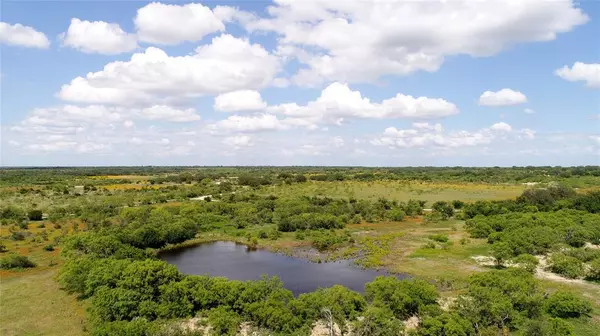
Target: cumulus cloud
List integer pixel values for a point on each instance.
(168, 113)
(226, 64)
(20, 35)
(588, 73)
(172, 24)
(361, 40)
(70, 119)
(237, 101)
(258, 123)
(527, 133)
(529, 111)
(98, 37)
(424, 135)
(504, 97)
(338, 102)
(501, 127)
(238, 141)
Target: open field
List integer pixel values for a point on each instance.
(32, 304)
(398, 190)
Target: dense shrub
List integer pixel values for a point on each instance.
(593, 272)
(224, 321)
(442, 238)
(547, 327)
(378, 322)
(537, 233)
(566, 266)
(567, 305)
(404, 298)
(444, 209)
(16, 261)
(35, 215)
(526, 262)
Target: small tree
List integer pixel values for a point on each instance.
(501, 253)
(35, 215)
(445, 209)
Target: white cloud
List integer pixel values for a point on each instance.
(98, 37)
(501, 127)
(238, 141)
(259, 123)
(91, 147)
(52, 147)
(589, 73)
(504, 97)
(434, 136)
(237, 101)
(70, 119)
(358, 40)
(529, 111)
(226, 64)
(167, 113)
(528, 133)
(338, 101)
(337, 142)
(172, 24)
(21, 35)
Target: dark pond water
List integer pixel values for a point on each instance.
(237, 262)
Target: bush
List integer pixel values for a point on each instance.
(526, 262)
(35, 215)
(428, 245)
(441, 238)
(326, 240)
(49, 248)
(396, 215)
(224, 321)
(567, 266)
(583, 254)
(458, 204)
(594, 270)
(16, 261)
(567, 305)
(547, 327)
(464, 241)
(445, 209)
(17, 236)
(378, 322)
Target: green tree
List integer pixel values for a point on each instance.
(223, 321)
(378, 321)
(501, 253)
(404, 298)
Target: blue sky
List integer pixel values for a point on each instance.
(397, 83)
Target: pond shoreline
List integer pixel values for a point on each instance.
(233, 260)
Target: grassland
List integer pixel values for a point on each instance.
(398, 190)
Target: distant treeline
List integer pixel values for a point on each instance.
(269, 175)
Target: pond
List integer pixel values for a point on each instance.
(237, 262)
